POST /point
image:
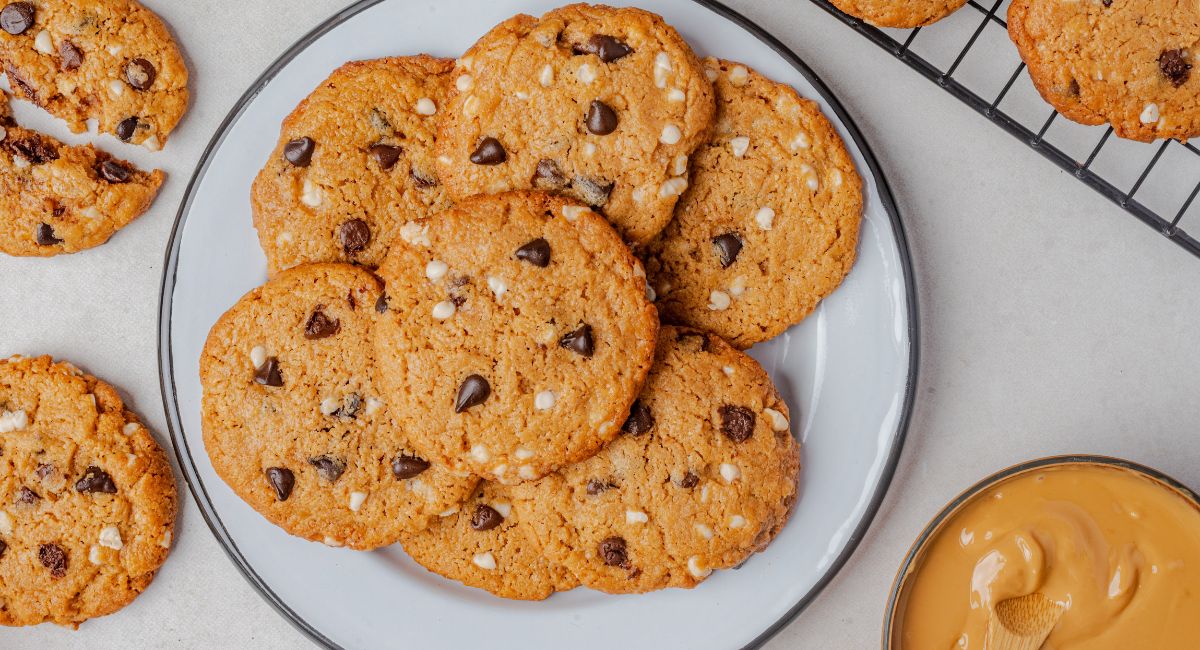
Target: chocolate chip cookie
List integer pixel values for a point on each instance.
(899, 13)
(516, 334)
(600, 104)
(294, 422)
(57, 199)
(112, 61)
(354, 162)
(488, 544)
(770, 224)
(87, 500)
(1127, 63)
(703, 475)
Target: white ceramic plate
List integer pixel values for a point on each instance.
(848, 371)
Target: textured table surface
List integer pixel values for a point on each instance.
(1051, 321)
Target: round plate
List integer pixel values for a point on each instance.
(849, 371)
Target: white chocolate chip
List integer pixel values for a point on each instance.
(704, 531)
(765, 218)
(6, 523)
(130, 428)
(737, 521)
(448, 511)
(466, 62)
(500, 469)
(415, 233)
(589, 150)
(704, 493)
(425, 106)
(13, 421)
(1150, 114)
(812, 183)
(310, 195)
(484, 561)
(470, 106)
(837, 177)
(522, 95)
(778, 422)
(547, 76)
(662, 67)
(811, 177)
(497, 286)
(329, 405)
(526, 472)
(115, 49)
(373, 405)
(356, 500)
(165, 542)
(639, 195)
(586, 74)
(505, 509)
(284, 238)
(730, 472)
(739, 145)
(445, 160)
(20, 162)
(152, 143)
(110, 537)
(695, 569)
(480, 454)
(42, 42)
(545, 400)
(116, 87)
(718, 301)
(258, 356)
(799, 142)
(676, 95)
(672, 187)
(546, 335)
(333, 541)
(738, 286)
(636, 517)
(711, 74)
(436, 270)
(670, 134)
(679, 165)
(464, 82)
(94, 555)
(572, 212)
(443, 310)
(739, 75)
(523, 454)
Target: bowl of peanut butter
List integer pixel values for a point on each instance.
(1114, 546)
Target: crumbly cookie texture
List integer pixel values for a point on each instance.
(1127, 63)
(57, 199)
(487, 543)
(87, 499)
(900, 13)
(516, 335)
(600, 104)
(294, 422)
(703, 476)
(112, 61)
(354, 162)
(770, 224)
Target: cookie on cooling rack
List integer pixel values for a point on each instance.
(899, 13)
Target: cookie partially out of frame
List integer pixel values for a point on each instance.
(899, 13)
(770, 224)
(355, 161)
(1127, 63)
(295, 424)
(87, 500)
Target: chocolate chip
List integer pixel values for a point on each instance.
(53, 557)
(140, 74)
(536, 252)
(485, 517)
(355, 234)
(328, 467)
(268, 373)
(21, 84)
(36, 150)
(381, 305)
(1108, 3)
(612, 551)
(381, 123)
(596, 486)
(422, 182)
(282, 480)
(489, 152)
(16, 17)
(580, 341)
(607, 48)
(114, 172)
(386, 155)
(321, 326)
(592, 191)
(43, 471)
(1073, 88)
(408, 466)
(349, 410)
(45, 235)
(25, 496)
(689, 481)
(549, 175)
(1174, 66)
(737, 422)
(728, 246)
(127, 128)
(640, 419)
(601, 119)
(3, 548)
(96, 480)
(473, 391)
(70, 56)
(299, 152)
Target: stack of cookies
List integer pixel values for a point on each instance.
(508, 298)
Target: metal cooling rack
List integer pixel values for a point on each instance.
(970, 55)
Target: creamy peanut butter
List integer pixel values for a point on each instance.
(1120, 552)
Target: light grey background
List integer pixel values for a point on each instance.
(1051, 321)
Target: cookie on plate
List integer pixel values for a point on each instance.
(703, 476)
(1127, 63)
(112, 61)
(600, 104)
(87, 499)
(294, 422)
(487, 544)
(355, 161)
(57, 199)
(899, 13)
(769, 226)
(517, 334)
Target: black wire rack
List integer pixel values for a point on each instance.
(971, 57)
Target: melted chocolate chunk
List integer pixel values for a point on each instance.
(282, 480)
(3, 548)
(299, 152)
(489, 152)
(580, 341)
(36, 150)
(640, 420)
(349, 410)
(737, 422)
(70, 56)
(1174, 66)
(321, 326)
(473, 391)
(728, 246)
(422, 181)
(268, 373)
(485, 517)
(114, 172)
(607, 48)
(613, 552)
(381, 305)
(126, 128)
(536, 252)
(601, 118)
(354, 236)
(95, 480)
(593, 191)
(17, 17)
(549, 176)
(689, 481)
(140, 74)
(44, 235)
(53, 557)
(328, 467)
(386, 155)
(26, 497)
(596, 486)
(408, 466)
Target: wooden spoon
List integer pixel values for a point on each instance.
(1022, 623)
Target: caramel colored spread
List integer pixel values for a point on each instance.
(1118, 551)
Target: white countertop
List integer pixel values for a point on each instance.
(1051, 321)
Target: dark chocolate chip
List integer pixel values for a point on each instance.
(728, 246)
(349, 410)
(404, 466)
(607, 48)
(126, 128)
(328, 467)
(386, 155)
(1174, 66)
(737, 422)
(580, 341)
(1073, 88)
(140, 74)
(381, 305)
(549, 176)
(45, 235)
(489, 152)
(1108, 3)
(536, 252)
(422, 181)
(689, 481)
(299, 152)
(268, 373)
(321, 326)
(601, 119)
(53, 557)
(355, 234)
(640, 419)
(282, 480)
(43, 471)
(613, 552)
(70, 56)
(114, 172)
(36, 150)
(25, 496)
(596, 486)
(592, 191)
(95, 480)
(21, 84)
(473, 391)
(3, 548)
(16, 17)
(485, 517)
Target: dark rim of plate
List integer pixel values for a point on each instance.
(166, 362)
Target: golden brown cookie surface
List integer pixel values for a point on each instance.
(899, 13)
